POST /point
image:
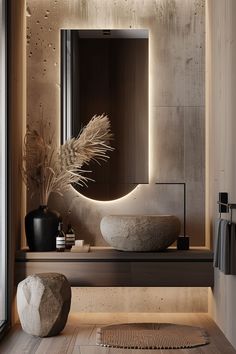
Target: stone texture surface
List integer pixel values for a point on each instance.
(167, 30)
(140, 232)
(221, 145)
(128, 300)
(176, 87)
(43, 303)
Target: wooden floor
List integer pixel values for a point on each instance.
(79, 336)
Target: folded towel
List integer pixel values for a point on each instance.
(217, 243)
(80, 249)
(225, 247)
(233, 249)
(224, 265)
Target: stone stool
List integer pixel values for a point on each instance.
(43, 303)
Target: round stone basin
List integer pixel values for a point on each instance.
(140, 233)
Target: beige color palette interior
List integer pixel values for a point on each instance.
(176, 102)
(176, 122)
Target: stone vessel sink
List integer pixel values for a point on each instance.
(140, 232)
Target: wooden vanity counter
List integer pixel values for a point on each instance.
(104, 266)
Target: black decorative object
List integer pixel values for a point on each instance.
(183, 243)
(41, 229)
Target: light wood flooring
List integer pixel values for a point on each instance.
(79, 336)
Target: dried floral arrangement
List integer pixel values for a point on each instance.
(47, 168)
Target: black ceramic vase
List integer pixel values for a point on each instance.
(41, 229)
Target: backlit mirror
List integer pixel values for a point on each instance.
(106, 71)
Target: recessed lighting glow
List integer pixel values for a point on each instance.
(108, 201)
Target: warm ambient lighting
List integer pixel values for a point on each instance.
(107, 201)
(150, 114)
(208, 83)
(136, 147)
(150, 138)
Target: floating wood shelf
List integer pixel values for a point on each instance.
(109, 267)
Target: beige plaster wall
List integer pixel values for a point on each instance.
(145, 300)
(176, 126)
(221, 98)
(177, 105)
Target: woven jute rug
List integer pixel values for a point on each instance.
(151, 336)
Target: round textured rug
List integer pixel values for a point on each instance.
(151, 336)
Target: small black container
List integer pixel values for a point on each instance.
(183, 243)
(41, 229)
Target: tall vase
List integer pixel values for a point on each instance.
(41, 229)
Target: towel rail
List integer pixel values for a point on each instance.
(224, 206)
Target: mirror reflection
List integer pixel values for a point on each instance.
(106, 71)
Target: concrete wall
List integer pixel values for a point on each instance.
(177, 101)
(176, 125)
(221, 102)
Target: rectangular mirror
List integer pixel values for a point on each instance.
(106, 71)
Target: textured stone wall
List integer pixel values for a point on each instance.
(221, 55)
(176, 125)
(176, 109)
(146, 300)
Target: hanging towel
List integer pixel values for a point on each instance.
(224, 265)
(233, 249)
(217, 243)
(225, 247)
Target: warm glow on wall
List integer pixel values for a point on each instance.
(151, 137)
(108, 201)
(176, 102)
